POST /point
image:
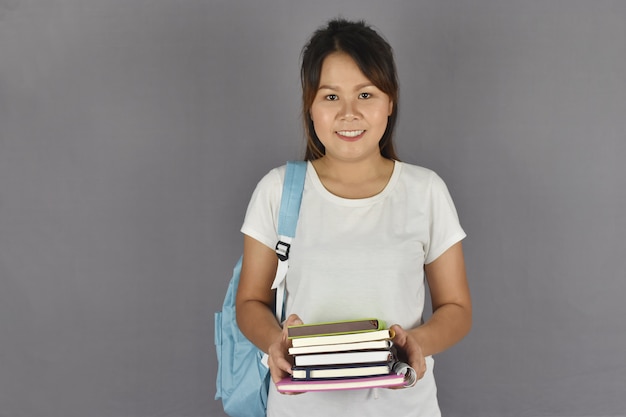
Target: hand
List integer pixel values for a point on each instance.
(278, 352)
(409, 350)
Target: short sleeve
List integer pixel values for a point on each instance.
(261, 218)
(445, 228)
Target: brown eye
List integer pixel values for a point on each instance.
(365, 95)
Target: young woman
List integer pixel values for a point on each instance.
(371, 231)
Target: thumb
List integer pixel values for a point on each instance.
(293, 320)
(399, 334)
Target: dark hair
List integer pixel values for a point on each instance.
(374, 57)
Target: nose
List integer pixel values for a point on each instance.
(349, 110)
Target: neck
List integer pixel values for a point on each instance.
(357, 179)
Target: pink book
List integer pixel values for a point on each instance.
(391, 380)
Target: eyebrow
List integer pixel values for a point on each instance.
(335, 88)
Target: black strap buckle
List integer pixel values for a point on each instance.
(282, 250)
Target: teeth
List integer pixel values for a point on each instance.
(350, 133)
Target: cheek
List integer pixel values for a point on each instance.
(316, 113)
(321, 119)
(321, 129)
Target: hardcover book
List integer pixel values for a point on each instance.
(335, 328)
(342, 338)
(342, 347)
(390, 380)
(367, 356)
(340, 371)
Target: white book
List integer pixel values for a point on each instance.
(340, 371)
(342, 347)
(343, 358)
(342, 338)
(391, 380)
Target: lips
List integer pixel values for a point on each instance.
(350, 134)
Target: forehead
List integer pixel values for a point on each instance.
(340, 70)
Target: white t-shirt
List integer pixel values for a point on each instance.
(354, 258)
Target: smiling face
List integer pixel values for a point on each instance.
(349, 113)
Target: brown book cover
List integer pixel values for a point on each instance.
(335, 328)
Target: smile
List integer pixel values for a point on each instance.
(350, 133)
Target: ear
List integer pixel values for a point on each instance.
(390, 112)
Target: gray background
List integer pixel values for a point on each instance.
(133, 132)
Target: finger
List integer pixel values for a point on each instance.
(410, 349)
(406, 341)
(420, 370)
(400, 335)
(400, 340)
(279, 368)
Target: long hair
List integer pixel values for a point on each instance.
(374, 57)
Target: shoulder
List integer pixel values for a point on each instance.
(419, 176)
(268, 190)
(423, 182)
(275, 175)
(416, 171)
(273, 179)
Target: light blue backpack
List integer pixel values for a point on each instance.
(243, 376)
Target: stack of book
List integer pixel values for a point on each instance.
(341, 355)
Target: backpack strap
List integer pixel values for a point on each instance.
(287, 222)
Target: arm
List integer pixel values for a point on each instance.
(255, 306)
(452, 310)
(452, 305)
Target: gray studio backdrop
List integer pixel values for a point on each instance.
(133, 132)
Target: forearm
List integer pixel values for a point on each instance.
(446, 327)
(255, 299)
(258, 323)
(452, 305)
